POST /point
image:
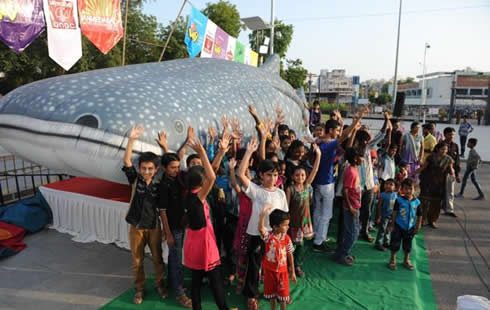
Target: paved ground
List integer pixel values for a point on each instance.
(57, 273)
(458, 267)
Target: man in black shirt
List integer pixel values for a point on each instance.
(142, 216)
(171, 203)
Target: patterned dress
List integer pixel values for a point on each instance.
(240, 242)
(300, 224)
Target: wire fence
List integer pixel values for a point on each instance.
(20, 179)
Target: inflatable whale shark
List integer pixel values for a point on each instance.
(77, 124)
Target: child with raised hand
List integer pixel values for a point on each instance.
(240, 242)
(266, 193)
(278, 256)
(405, 223)
(201, 251)
(386, 203)
(142, 217)
(299, 199)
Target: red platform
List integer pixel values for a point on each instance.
(94, 187)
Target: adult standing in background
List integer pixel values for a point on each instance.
(429, 140)
(315, 115)
(453, 151)
(464, 130)
(436, 133)
(413, 147)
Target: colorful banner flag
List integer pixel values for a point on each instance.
(196, 30)
(254, 58)
(247, 56)
(64, 37)
(230, 51)
(100, 22)
(239, 52)
(21, 22)
(207, 49)
(220, 44)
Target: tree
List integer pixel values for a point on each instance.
(34, 63)
(176, 48)
(406, 81)
(226, 16)
(282, 37)
(295, 74)
(383, 98)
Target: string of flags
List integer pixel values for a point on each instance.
(22, 21)
(205, 37)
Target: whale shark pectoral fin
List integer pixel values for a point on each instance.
(272, 64)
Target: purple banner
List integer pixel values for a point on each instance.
(21, 22)
(220, 44)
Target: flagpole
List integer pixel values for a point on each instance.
(172, 31)
(125, 32)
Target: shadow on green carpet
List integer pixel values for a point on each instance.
(369, 284)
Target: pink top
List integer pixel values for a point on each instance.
(200, 249)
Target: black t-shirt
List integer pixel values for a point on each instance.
(194, 210)
(172, 193)
(143, 211)
(396, 138)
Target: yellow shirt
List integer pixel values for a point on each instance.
(429, 143)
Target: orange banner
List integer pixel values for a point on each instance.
(100, 21)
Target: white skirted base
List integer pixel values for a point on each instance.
(89, 218)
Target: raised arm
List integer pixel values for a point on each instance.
(253, 112)
(316, 164)
(263, 139)
(162, 141)
(265, 212)
(355, 121)
(134, 133)
(232, 164)
(251, 147)
(224, 146)
(209, 177)
(190, 137)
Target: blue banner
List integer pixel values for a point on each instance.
(196, 30)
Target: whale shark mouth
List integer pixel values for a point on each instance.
(68, 148)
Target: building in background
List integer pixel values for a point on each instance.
(334, 86)
(471, 92)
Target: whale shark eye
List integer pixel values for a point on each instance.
(88, 121)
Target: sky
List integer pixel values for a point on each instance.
(360, 36)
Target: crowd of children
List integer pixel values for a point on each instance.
(243, 212)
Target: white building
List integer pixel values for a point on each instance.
(471, 90)
(334, 86)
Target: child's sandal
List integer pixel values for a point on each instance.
(409, 265)
(392, 265)
(185, 301)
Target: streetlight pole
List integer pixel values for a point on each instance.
(272, 28)
(395, 81)
(424, 93)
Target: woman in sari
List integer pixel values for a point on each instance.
(412, 148)
(433, 176)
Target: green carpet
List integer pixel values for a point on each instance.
(369, 284)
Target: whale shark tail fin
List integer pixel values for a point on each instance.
(272, 64)
(301, 94)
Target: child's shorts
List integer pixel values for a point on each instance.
(276, 285)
